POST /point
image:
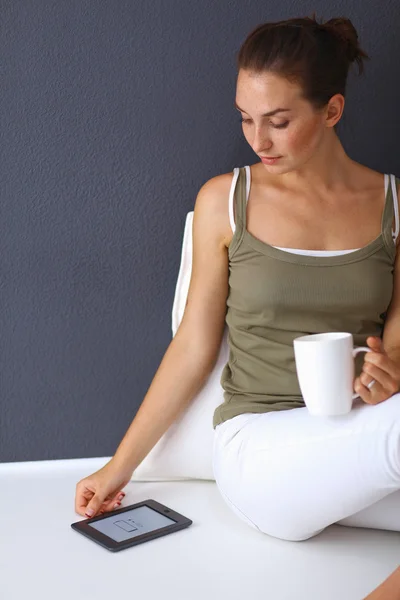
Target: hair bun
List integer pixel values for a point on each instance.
(347, 33)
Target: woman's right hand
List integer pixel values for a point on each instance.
(101, 491)
(380, 368)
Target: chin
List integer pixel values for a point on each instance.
(277, 168)
(287, 166)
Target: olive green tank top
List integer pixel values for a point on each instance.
(276, 296)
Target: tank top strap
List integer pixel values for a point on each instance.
(239, 195)
(395, 183)
(390, 212)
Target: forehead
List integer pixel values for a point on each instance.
(265, 88)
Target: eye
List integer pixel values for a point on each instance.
(281, 126)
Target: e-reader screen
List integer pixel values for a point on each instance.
(131, 523)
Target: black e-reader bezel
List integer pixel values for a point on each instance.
(84, 528)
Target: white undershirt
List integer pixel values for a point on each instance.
(316, 252)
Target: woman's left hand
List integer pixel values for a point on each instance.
(379, 367)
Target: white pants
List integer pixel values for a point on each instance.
(290, 474)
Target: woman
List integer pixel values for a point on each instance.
(311, 246)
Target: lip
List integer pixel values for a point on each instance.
(269, 160)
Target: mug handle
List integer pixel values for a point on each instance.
(355, 351)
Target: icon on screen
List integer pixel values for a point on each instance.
(129, 525)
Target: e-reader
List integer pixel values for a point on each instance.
(132, 525)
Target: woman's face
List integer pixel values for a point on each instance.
(293, 134)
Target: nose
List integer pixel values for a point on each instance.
(261, 143)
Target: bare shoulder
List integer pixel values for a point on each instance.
(216, 190)
(375, 180)
(366, 178)
(213, 198)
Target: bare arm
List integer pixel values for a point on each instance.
(192, 354)
(189, 358)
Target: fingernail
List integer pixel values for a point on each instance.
(120, 496)
(117, 504)
(89, 512)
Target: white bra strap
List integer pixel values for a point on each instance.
(386, 183)
(248, 182)
(395, 233)
(231, 196)
(232, 193)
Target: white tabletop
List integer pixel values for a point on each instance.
(218, 556)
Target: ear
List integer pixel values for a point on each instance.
(334, 110)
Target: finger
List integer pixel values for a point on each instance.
(94, 505)
(365, 378)
(382, 361)
(82, 498)
(372, 395)
(109, 508)
(112, 506)
(375, 343)
(109, 504)
(114, 497)
(116, 501)
(386, 381)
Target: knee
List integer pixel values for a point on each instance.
(302, 537)
(294, 535)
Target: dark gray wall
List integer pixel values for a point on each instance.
(113, 114)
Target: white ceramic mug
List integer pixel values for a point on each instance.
(325, 370)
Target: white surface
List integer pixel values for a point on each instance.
(218, 557)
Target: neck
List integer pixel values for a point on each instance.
(328, 168)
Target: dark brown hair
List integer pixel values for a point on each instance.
(315, 55)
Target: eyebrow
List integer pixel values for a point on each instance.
(268, 114)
